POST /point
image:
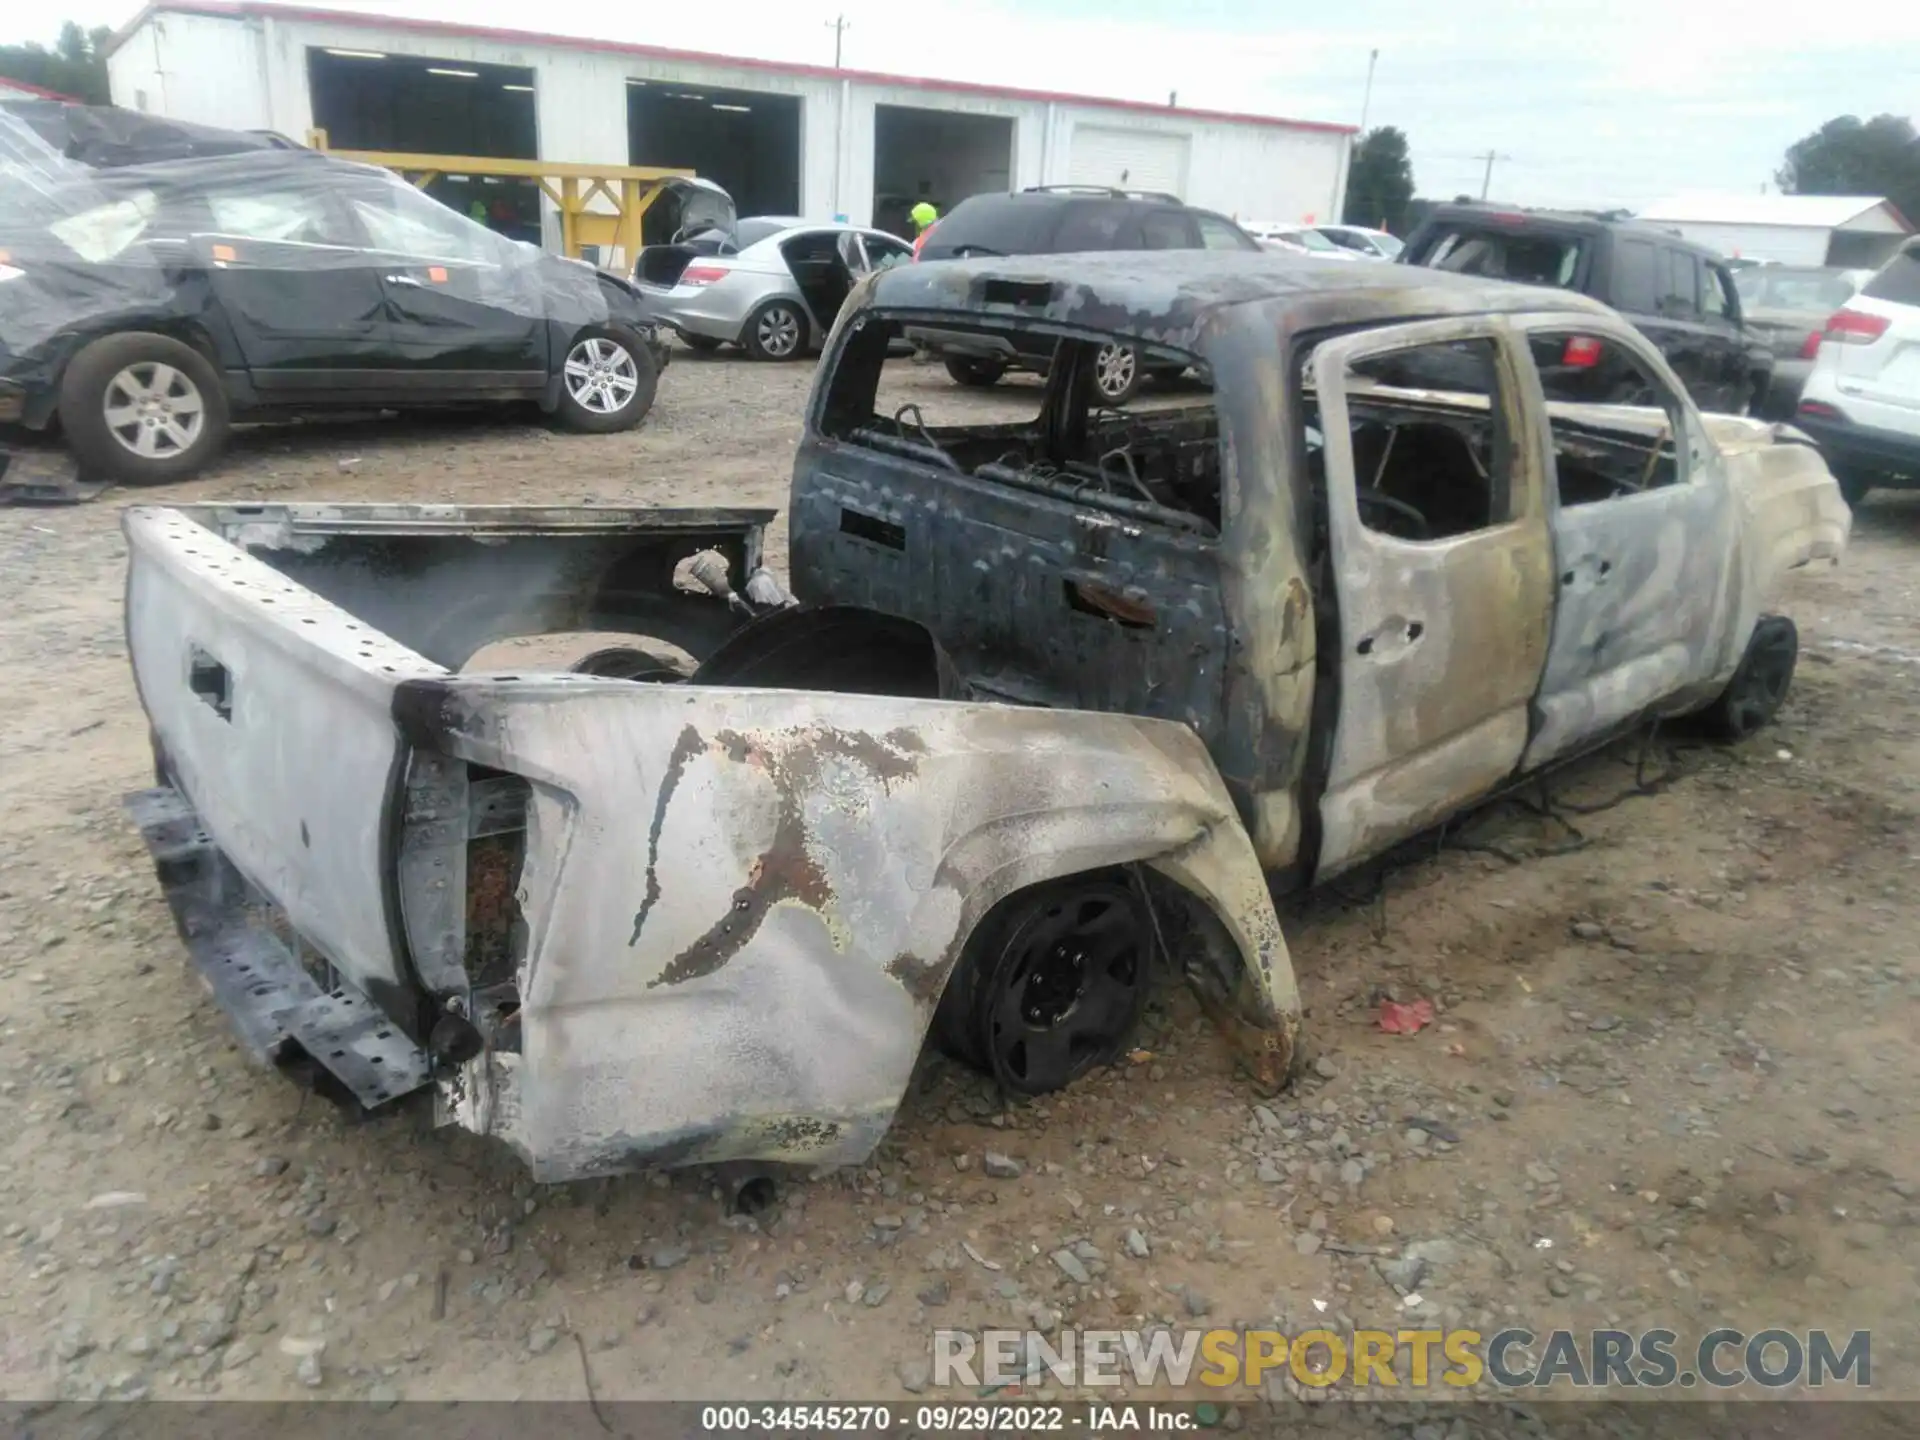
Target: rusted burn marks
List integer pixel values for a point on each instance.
(787, 869)
(684, 749)
(923, 980)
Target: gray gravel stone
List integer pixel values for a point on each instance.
(1002, 1167)
(1071, 1264)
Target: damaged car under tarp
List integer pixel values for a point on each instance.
(1069, 698)
(145, 307)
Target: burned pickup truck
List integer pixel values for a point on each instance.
(1069, 696)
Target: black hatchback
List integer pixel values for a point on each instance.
(145, 307)
(1057, 220)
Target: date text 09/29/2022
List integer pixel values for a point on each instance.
(962, 1419)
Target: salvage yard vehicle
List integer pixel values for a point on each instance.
(1069, 698)
(1060, 219)
(1680, 295)
(774, 292)
(1787, 307)
(1861, 401)
(147, 307)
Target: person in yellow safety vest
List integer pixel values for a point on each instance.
(923, 216)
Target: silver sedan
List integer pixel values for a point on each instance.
(773, 289)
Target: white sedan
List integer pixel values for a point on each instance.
(1296, 240)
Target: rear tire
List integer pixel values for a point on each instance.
(975, 374)
(1051, 984)
(126, 392)
(776, 331)
(1755, 693)
(607, 381)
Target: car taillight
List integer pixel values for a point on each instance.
(1855, 327)
(1582, 352)
(703, 274)
(1819, 409)
(1812, 346)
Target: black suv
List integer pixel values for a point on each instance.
(146, 305)
(1679, 295)
(1062, 219)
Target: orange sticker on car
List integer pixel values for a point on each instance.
(437, 274)
(225, 252)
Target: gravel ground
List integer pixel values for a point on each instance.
(1669, 1082)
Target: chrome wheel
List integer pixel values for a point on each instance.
(1113, 370)
(778, 331)
(154, 410)
(601, 376)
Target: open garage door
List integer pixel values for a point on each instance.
(745, 141)
(366, 100)
(1129, 159)
(941, 156)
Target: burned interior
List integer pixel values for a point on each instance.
(1158, 458)
(1431, 448)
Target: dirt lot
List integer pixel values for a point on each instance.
(1669, 1084)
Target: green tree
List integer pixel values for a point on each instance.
(1846, 156)
(76, 65)
(1380, 181)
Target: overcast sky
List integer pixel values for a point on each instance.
(1602, 102)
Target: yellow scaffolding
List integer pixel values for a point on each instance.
(629, 189)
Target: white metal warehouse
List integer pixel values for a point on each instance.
(784, 139)
(1857, 231)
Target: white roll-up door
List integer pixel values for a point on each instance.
(1129, 159)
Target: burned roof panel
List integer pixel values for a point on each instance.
(1167, 295)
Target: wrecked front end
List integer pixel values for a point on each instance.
(616, 922)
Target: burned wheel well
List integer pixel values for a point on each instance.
(843, 648)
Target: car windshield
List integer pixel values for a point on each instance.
(1781, 287)
(1531, 259)
(100, 232)
(1308, 240)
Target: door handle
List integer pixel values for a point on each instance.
(402, 280)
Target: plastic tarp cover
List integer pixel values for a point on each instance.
(280, 257)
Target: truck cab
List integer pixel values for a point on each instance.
(1369, 546)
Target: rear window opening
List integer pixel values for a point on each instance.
(1530, 259)
(1156, 455)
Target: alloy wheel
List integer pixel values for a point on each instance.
(1113, 370)
(154, 410)
(778, 331)
(601, 375)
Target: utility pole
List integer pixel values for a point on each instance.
(1366, 100)
(1486, 180)
(839, 25)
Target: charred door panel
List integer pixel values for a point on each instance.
(1036, 599)
(1442, 638)
(1644, 532)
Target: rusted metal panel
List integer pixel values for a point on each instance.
(742, 906)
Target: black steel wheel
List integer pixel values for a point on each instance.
(1759, 687)
(1052, 984)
